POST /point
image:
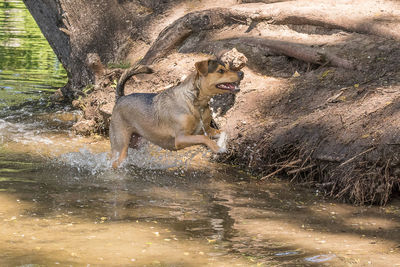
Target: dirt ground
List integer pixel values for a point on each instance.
(332, 126)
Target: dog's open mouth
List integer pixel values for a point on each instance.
(229, 86)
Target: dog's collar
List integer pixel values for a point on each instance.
(202, 122)
(197, 104)
(197, 101)
(196, 86)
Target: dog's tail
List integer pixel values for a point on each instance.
(137, 69)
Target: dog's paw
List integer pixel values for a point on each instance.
(222, 139)
(221, 150)
(222, 142)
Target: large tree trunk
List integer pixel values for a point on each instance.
(76, 28)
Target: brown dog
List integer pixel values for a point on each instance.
(175, 118)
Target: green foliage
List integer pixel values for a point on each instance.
(88, 89)
(119, 65)
(114, 85)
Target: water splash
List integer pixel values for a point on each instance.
(26, 127)
(22, 132)
(147, 156)
(152, 157)
(86, 161)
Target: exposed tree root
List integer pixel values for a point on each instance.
(284, 165)
(192, 23)
(294, 50)
(182, 28)
(174, 35)
(322, 15)
(362, 182)
(304, 53)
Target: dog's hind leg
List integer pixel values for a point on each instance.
(121, 151)
(122, 156)
(120, 140)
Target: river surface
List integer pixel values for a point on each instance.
(61, 205)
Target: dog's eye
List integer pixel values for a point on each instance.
(221, 71)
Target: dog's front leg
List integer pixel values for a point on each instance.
(182, 141)
(212, 132)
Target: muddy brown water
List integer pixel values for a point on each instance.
(61, 205)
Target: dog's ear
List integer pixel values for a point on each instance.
(212, 65)
(202, 67)
(207, 66)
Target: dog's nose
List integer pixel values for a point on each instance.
(240, 74)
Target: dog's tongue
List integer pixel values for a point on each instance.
(227, 86)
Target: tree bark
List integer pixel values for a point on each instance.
(77, 28)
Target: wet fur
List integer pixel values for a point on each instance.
(172, 118)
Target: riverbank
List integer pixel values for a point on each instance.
(320, 96)
(333, 127)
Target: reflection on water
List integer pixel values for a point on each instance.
(60, 204)
(28, 67)
(52, 213)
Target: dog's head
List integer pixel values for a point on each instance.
(216, 78)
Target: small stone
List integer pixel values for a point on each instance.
(234, 59)
(84, 127)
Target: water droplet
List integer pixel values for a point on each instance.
(321, 258)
